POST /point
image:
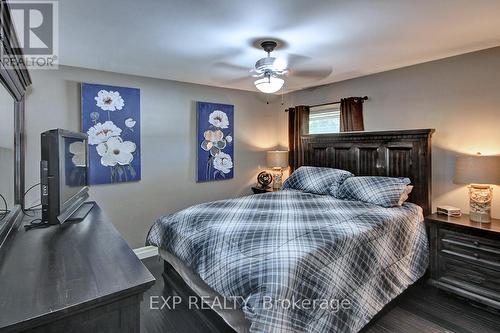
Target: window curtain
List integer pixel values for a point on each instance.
(351, 114)
(298, 124)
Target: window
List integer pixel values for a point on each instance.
(324, 119)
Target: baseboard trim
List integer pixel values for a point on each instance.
(146, 252)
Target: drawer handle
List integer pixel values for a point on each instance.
(476, 255)
(475, 279)
(476, 243)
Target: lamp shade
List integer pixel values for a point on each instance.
(477, 170)
(277, 158)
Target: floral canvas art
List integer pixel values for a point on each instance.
(111, 119)
(215, 141)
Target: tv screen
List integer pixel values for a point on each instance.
(63, 173)
(75, 159)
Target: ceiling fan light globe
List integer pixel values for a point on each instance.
(269, 85)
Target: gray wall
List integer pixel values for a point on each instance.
(458, 96)
(168, 143)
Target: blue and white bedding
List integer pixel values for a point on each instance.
(275, 249)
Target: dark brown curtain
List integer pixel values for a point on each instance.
(351, 114)
(298, 124)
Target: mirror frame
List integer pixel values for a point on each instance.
(16, 80)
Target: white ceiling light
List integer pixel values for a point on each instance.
(269, 84)
(268, 69)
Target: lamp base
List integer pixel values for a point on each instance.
(479, 217)
(480, 203)
(278, 178)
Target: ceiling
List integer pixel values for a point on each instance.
(189, 40)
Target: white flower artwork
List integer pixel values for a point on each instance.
(214, 141)
(116, 151)
(130, 123)
(100, 133)
(77, 149)
(218, 119)
(223, 162)
(94, 116)
(215, 146)
(111, 118)
(109, 100)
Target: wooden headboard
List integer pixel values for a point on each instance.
(405, 153)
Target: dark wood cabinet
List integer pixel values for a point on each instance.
(465, 258)
(79, 277)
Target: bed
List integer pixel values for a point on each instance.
(272, 255)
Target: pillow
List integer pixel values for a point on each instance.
(381, 191)
(316, 180)
(404, 196)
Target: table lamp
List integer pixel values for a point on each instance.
(277, 159)
(480, 172)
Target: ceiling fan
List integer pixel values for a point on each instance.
(270, 72)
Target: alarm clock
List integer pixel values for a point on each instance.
(264, 179)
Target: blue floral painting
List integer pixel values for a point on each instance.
(215, 141)
(111, 119)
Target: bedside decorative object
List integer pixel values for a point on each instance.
(465, 257)
(480, 172)
(264, 179)
(277, 159)
(449, 211)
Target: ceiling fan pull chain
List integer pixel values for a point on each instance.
(283, 95)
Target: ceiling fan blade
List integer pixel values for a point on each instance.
(296, 60)
(229, 74)
(225, 66)
(237, 80)
(280, 64)
(313, 73)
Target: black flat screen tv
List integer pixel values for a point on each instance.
(63, 174)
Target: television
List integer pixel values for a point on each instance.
(63, 174)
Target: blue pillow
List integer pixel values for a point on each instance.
(316, 180)
(381, 191)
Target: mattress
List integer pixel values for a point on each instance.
(274, 251)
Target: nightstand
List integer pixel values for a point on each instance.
(257, 190)
(465, 257)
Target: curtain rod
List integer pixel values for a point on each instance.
(336, 102)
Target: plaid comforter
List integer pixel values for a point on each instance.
(301, 262)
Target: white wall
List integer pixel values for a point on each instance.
(458, 96)
(168, 142)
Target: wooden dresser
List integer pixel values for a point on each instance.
(465, 258)
(80, 277)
